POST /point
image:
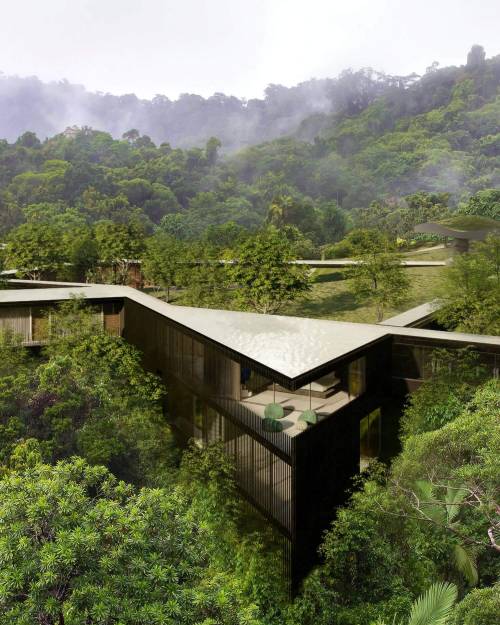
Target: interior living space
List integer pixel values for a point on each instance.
(301, 405)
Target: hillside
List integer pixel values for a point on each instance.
(28, 104)
(440, 134)
(388, 161)
(314, 107)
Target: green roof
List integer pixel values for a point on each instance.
(466, 223)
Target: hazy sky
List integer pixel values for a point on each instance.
(234, 46)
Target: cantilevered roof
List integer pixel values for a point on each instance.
(293, 347)
(470, 227)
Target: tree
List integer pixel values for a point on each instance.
(34, 248)
(451, 380)
(131, 135)
(479, 607)
(78, 546)
(380, 278)
(476, 57)
(204, 277)
(160, 262)
(178, 225)
(265, 279)
(391, 541)
(211, 148)
(89, 396)
(485, 203)
(118, 245)
(470, 292)
(358, 242)
(333, 222)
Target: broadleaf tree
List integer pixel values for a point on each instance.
(263, 274)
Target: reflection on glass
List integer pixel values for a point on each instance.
(357, 377)
(370, 437)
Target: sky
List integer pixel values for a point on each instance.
(236, 47)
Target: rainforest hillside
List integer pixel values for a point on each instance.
(439, 137)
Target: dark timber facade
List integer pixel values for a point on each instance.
(218, 390)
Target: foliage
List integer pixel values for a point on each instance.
(265, 279)
(471, 290)
(393, 152)
(357, 242)
(452, 380)
(161, 259)
(89, 395)
(79, 546)
(480, 607)
(403, 525)
(434, 607)
(485, 203)
(379, 277)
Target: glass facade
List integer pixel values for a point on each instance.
(205, 388)
(264, 477)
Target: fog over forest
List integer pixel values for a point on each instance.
(28, 104)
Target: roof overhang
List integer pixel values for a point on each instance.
(292, 350)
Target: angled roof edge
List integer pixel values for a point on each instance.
(294, 348)
(413, 316)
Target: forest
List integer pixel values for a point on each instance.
(103, 520)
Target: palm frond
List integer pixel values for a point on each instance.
(424, 490)
(453, 498)
(465, 562)
(434, 606)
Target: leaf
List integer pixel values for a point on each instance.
(465, 562)
(424, 490)
(453, 499)
(435, 606)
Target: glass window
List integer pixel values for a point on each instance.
(370, 437)
(357, 377)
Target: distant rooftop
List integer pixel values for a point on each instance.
(413, 316)
(471, 227)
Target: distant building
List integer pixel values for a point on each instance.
(72, 132)
(462, 229)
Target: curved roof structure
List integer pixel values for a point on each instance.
(468, 227)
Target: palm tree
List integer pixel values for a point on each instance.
(434, 607)
(443, 510)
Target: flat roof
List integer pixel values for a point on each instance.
(412, 316)
(290, 346)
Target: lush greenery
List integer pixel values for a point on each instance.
(102, 519)
(470, 293)
(432, 516)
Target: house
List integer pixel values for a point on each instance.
(224, 369)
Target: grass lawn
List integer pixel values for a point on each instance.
(432, 254)
(330, 297)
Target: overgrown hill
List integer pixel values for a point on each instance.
(407, 149)
(439, 134)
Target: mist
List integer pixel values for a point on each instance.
(28, 104)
